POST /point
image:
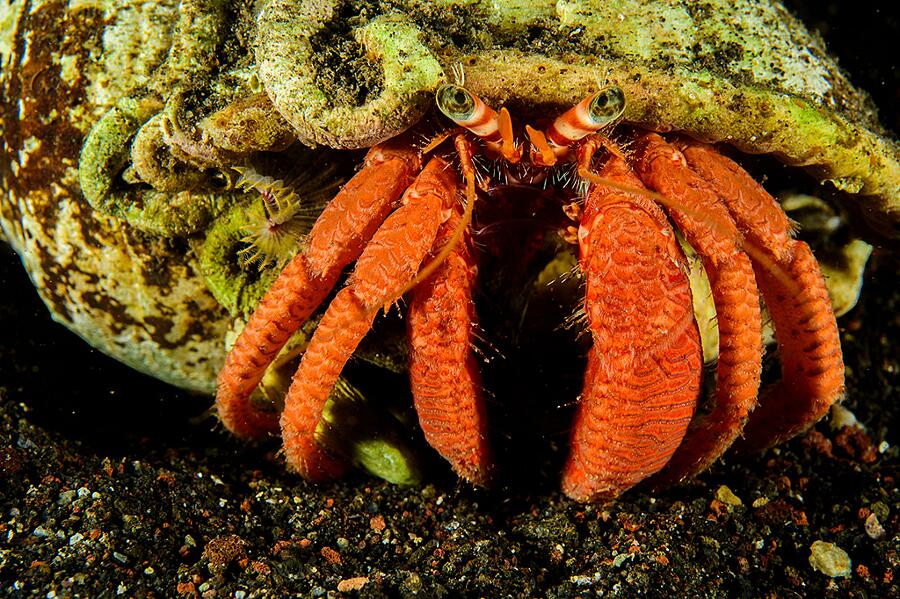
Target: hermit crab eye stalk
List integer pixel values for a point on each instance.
(455, 102)
(469, 111)
(590, 115)
(607, 105)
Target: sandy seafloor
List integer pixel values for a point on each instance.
(112, 484)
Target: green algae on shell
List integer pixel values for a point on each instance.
(134, 296)
(172, 207)
(745, 73)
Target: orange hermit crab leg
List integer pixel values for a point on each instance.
(446, 385)
(643, 375)
(337, 238)
(388, 262)
(718, 241)
(812, 365)
(445, 381)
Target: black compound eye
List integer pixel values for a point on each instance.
(455, 102)
(608, 105)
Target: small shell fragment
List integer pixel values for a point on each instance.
(873, 527)
(829, 559)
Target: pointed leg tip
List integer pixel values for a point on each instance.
(585, 489)
(479, 476)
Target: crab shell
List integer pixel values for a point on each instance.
(81, 79)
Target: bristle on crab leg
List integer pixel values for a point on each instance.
(643, 374)
(344, 227)
(387, 264)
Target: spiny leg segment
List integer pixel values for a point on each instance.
(337, 238)
(386, 265)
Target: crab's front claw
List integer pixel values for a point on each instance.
(644, 369)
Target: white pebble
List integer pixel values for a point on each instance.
(841, 417)
(829, 559)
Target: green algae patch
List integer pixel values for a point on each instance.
(106, 154)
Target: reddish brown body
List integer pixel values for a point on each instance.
(636, 417)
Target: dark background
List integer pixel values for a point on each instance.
(865, 36)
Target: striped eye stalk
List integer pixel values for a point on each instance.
(469, 111)
(590, 115)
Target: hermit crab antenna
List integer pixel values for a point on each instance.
(459, 76)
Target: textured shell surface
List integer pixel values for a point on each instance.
(122, 122)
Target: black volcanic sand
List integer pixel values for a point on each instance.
(112, 484)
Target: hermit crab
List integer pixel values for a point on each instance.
(644, 368)
(626, 128)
